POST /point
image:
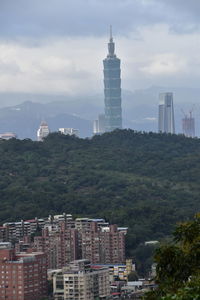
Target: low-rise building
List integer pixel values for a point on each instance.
(119, 271)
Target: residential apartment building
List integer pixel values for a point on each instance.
(79, 281)
(60, 246)
(64, 239)
(102, 244)
(23, 276)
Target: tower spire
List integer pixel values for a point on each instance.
(111, 37)
(111, 44)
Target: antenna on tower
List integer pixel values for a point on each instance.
(111, 37)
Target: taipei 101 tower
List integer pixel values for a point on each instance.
(112, 88)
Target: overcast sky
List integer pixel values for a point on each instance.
(57, 46)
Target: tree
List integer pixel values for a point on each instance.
(178, 265)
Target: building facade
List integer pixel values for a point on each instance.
(79, 281)
(166, 113)
(99, 125)
(43, 131)
(60, 246)
(188, 125)
(23, 276)
(112, 89)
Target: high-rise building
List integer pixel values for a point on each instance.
(43, 131)
(99, 125)
(188, 125)
(112, 88)
(80, 281)
(60, 246)
(100, 242)
(166, 113)
(23, 275)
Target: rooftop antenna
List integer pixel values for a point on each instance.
(111, 37)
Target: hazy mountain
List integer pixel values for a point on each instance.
(140, 109)
(24, 119)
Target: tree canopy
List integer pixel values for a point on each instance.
(178, 265)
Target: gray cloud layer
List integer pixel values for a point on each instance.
(28, 18)
(58, 45)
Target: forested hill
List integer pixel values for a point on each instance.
(145, 181)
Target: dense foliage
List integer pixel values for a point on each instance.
(178, 272)
(145, 181)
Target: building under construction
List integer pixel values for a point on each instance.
(188, 125)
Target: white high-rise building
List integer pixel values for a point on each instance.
(69, 131)
(99, 125)
(43, 131)
(166, 113)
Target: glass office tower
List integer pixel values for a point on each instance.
(112, 89)
(166, 113)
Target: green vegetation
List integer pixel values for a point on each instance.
(145, 181)
(178, 272)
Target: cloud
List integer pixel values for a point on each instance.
(57, 46)
(50, 18)
(54, 68)
(165, 64)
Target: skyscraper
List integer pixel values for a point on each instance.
(166, 113)
(112, 88)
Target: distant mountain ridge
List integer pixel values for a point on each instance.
(24, 119)
(139, 110)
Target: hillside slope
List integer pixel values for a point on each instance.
(145, 181)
